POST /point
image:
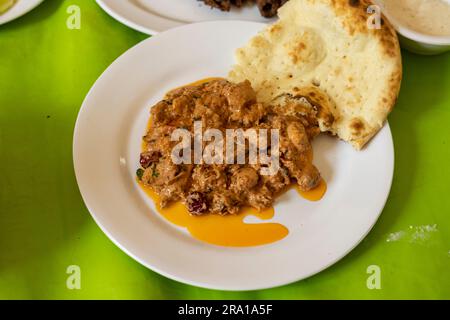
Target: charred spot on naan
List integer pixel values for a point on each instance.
(361, 132)
(357, 126)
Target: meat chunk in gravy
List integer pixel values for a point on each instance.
(226, 188)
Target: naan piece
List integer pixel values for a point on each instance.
(327, 44)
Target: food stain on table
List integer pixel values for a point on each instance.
(229, 230)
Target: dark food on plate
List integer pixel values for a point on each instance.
(268, 8)
(224, 189)
(224, 5)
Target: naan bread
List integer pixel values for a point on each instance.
(327, 44)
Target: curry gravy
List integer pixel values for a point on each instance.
(228, 230)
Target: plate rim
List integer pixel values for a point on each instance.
(133, 25)
(127, 19)
(169, 275)
(18, 14)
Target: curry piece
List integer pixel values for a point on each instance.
(225, 188)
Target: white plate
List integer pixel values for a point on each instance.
(19, 9)
(154, 16)
(106, 149)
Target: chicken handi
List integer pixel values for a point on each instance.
(212, 200)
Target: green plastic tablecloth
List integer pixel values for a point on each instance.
(47, 69)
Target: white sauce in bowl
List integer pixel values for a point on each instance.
(431, 17)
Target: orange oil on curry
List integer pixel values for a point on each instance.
(229, 230)
(202, 81)
(315, 194)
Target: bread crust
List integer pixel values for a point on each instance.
(327, 43)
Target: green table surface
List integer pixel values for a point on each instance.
(47, 69)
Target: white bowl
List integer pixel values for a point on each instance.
(415, 41)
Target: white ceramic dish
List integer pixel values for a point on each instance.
(19, 9)
(418, 42)
(107, 142)
(154, 16)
